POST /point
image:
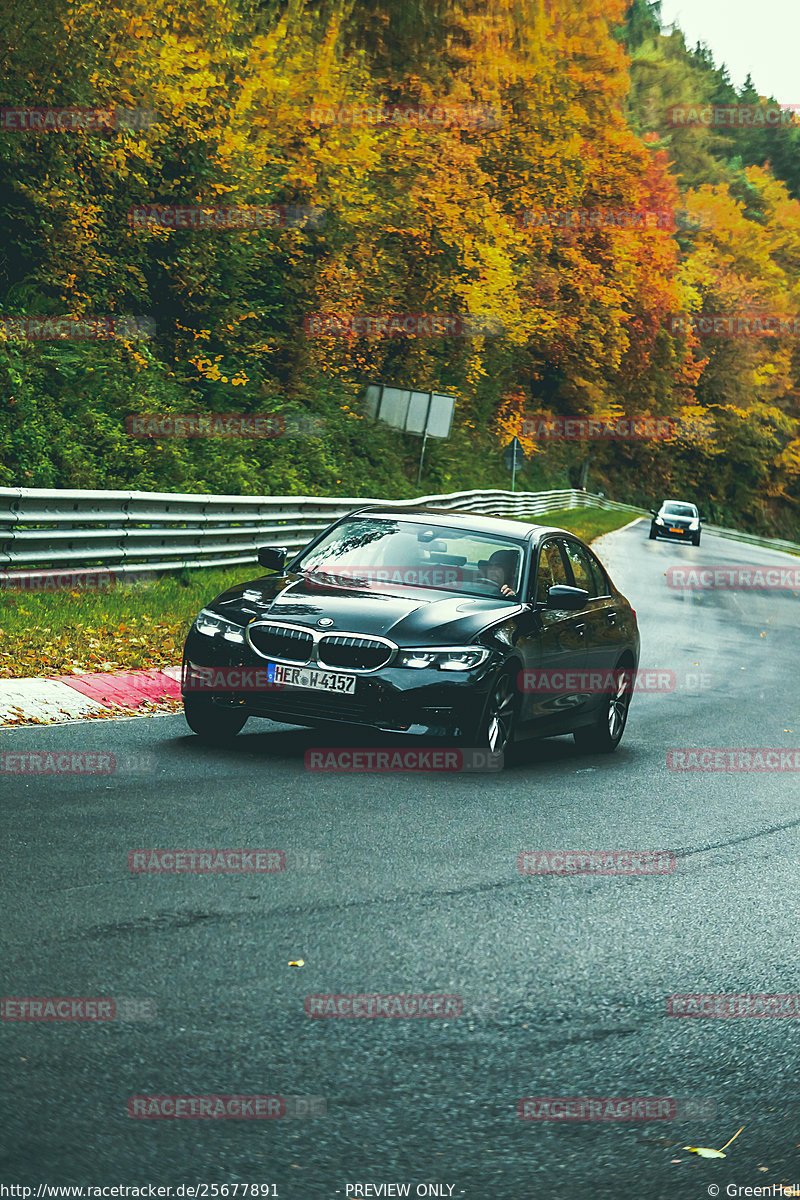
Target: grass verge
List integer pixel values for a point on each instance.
(133, 627)
(587, 523)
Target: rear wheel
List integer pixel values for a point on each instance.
(214, 725)
(605, 733)
(497, 725)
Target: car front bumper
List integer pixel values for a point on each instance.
(426, 702)
(685, 535)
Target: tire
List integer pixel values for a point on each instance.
(215, 726)
(653, 534)
(605, 733)
(696, 540)
(498, 722)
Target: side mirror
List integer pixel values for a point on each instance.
(272, 557)
(569, 598)
(702, 520)
(653, 512)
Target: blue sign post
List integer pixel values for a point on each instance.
(515, 457)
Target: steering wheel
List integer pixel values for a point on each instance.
(483, 579)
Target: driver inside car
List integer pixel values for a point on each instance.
(500, 568)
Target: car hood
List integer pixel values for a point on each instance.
(405, 615)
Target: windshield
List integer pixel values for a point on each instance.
(381, 552)
(679, 510)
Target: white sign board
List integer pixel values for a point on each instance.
(428, 413)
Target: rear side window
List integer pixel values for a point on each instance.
(602, 582)
(551, 571)
(581, 568)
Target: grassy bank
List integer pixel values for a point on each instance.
(587, 523)
(144, 624)
(131, 627)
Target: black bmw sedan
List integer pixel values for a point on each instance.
(423, 622)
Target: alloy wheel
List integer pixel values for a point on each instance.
(500, 715)
(618, 704)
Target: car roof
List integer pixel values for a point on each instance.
(689, 503)
(476, 522)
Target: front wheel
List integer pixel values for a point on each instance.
(605, 733)
(696, 540)
(653, 534)
(214, 725)
(497, 725)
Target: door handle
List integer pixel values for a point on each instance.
(580, 629)
(611, 617)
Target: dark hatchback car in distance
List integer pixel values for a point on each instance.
(421, 622)
(676, 519)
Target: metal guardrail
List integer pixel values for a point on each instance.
(754, 540)
(156, 531)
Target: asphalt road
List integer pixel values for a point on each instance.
(408, 883)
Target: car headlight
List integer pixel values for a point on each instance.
(695, 524)
(447, 658)
(212, 625)
(659, 520)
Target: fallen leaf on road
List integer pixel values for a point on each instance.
(705, 1152)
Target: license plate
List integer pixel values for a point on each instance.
(314, 680)
(676, 529)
